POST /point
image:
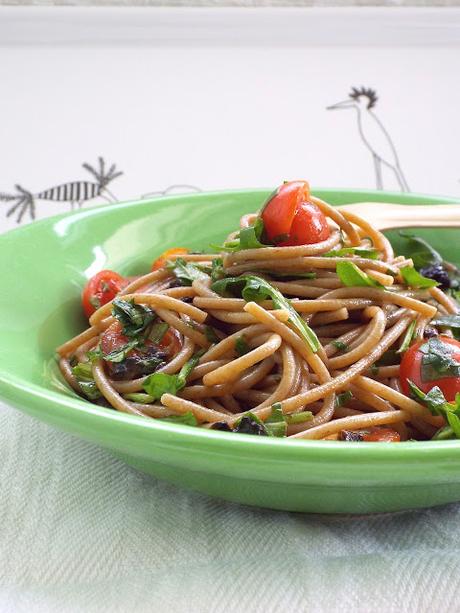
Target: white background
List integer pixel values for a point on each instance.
(224, 98)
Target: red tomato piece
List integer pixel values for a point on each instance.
(411, 369)
(164, 257)
(381, 435)
(290, 219)
(100, 289)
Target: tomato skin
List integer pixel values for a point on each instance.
(164, 257)
(290, 219)
(100, 289)
(411, 369)
(381, 435)
(171, 342)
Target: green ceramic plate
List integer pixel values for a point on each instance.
(44, 266)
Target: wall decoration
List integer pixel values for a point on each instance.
(74, 192)
(179, 188)
(373, 134)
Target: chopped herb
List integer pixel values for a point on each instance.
(370, 254)
(298, 418)
(437, 360)
(408, 337)
(221, 425)
(292, 275)
(158, 331)
(413, 278)
(241, 345)
(342, 399)
(374, 369)
(389, 358)
(120, 354)
(275, 424)
(134, 318)
(253, 288)
(444, 434)
(351, 276)
(139, 397)
(84, 376)
(186, 272)
(217, 270)
(187, 418)
(340, 345)
(247, 238)
(211, 335)
(160, 383)
(447, 321)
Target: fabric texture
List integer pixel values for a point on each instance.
(82, 532)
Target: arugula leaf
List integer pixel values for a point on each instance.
(351, 276)
(447, 321)
(371, 254)
(250, 236)
(275, 424)
(444, 434)
(421, 252)
(342, 399)
(158, 331)
(160, 383)
(211, 335)
(187, 418)
(186, 272)
(340, 345)
(134, 318)
(298, 418)
(84, 376)
(436, 403)
(414, 279)
(241, 345)
(389, 358)
(293, 275)
(438, 361)
(256, 289)
(408, 337)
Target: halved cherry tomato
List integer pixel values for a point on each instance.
(290, 219)
(100, 289)
(164, 257)
(171, 342)
(411, 369)
(381, 435)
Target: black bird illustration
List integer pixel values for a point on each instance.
(74, 192)
(373, 134)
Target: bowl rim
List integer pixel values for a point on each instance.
(17, 391)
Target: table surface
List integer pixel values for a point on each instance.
(191, 98)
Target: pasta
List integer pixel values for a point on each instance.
(273, 336)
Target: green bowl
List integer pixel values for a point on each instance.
(44, 266)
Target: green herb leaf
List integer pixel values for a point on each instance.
(120, 354)
(438, 361)
(447, 321)
(298, 418)
(389, 358)
(217, 270)
(421, 252)
(444, 434)
(342, 399)
(186, 272)
(408, 337)
(253, 288)
(275, 424)
(187, 418)
(158, 331)
(414, 279)
(134, 318)
(160, 383)
(90, 389)
(139, 397)
(351, 276)
(340, 345)
(84, 376)
(436, 403)
(249, 423)
(371, 254)
(241, 346)
(292, 275)
(211, 335)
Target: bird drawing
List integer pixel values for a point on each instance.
(373, 134)
(74, 192)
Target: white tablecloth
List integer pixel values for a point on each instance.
(214, 102)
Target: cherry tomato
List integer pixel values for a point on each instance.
(290, 219)
(164, 257)
(411, 369)
(171, 342)
(381, 435)
(100, 289)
